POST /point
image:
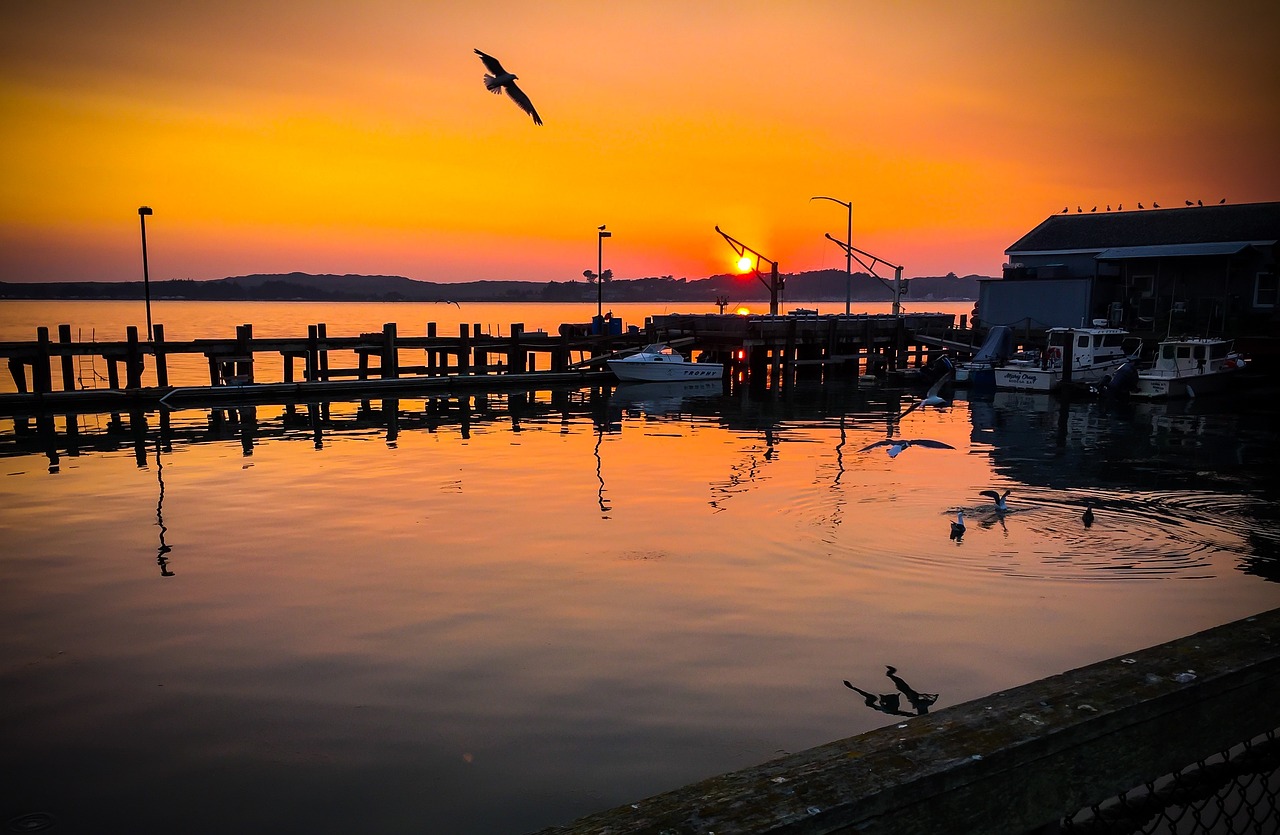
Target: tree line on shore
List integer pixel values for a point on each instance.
(819, 285)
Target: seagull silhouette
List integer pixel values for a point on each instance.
(1094, 209)
(1139, 205)
(1223, 200)
(1155, 205)
(503, 80)
(1088, 513)
(997, 498)
(1188, 202)
(897, 446)
(932, 398)
(957, 527)
(1064, 210)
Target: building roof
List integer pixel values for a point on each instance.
(1097, 231)
(1122, 253)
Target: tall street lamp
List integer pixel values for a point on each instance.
(146, 278)
(775, 282)
(848, 253)
(600, 273)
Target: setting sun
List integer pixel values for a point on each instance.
(744, 264)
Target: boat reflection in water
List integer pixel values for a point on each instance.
(442, 592)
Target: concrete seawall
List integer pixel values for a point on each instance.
(1009, 763)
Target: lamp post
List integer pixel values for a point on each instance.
(775, 282)
(848, 254)
(600, 273)
(146, 278)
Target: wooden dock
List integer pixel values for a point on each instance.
(49, 373)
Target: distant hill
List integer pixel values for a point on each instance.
(820, 285)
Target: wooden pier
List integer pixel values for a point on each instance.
(763, 349)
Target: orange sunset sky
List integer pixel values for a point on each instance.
(354, 137)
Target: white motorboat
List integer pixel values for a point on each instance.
(662, 363)
(1093, 353)
(1187, 367)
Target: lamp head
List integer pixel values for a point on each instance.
(144, 210)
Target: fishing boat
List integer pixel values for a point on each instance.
(1081, 355)
(660, 362)
(1187, 367)
(995, 351)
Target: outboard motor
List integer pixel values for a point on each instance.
(1124, 380)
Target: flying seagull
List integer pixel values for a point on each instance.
(503, 80)
(899, 445)
(933, 398)
(997, 498)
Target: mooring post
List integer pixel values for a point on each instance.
(313, 352)
(162, 364)
(390, 354)
(515, 355)
(132, 359)
(464, 349)
(323, 330)
(68, 363)
(41, 376)
(244, 352)
(431, 351)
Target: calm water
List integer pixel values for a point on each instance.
(498, 614)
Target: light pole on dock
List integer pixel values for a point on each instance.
(146, 277)
(848, 253)
(600, 273)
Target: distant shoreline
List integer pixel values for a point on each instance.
(822, 286)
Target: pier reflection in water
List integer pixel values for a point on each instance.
(499, 612)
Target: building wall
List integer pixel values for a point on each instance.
(1046, 303)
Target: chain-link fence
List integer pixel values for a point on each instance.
(1231, 793)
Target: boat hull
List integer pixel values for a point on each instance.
(665, 372)
(1176, 386)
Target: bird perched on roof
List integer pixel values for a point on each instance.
(1188, 202)
(1199, 202)
(1001, 505)
(503, 80)
(1078, 210)
(897, 446)
(1064, 210)
(957, 527)
(1223, 200)
(1094, 209)
(1155, 205)
(1088, 513)
(1140, 206)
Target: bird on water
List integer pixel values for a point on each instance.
(503, 80)
(999, 499)
(957, 527)
(897, 446)
(1088, 513)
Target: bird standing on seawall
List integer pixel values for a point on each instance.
(503, 80)
(998, 499)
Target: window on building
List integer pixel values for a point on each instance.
(1143, 286)
(1265, 290)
